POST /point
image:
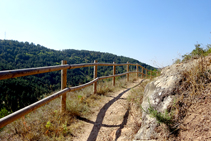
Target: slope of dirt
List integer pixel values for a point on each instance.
(114, 119)
(197, 122)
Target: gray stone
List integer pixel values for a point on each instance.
(159, 94)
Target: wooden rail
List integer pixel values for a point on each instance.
(62, 93)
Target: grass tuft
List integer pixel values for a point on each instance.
(165, 117)
(104, 88)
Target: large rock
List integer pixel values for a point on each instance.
(159, 94)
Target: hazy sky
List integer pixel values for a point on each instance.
(151, 31)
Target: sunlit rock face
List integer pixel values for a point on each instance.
(159, 94)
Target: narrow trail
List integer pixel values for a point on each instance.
(113, 119)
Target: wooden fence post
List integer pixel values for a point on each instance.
(114, 72)
(127, 71)
(137, 70)
(95, 76)
(63, 85)
(146, 74)
(142, 71)
(150, 74)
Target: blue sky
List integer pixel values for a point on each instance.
(151, 31)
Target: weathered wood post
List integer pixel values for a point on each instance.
(142, 72)
(146, 73)
(150, 74)
(114, 72)
(63, 85)
(137, 70)
(127, 71)
(95, 76)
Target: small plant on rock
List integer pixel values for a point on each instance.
(165, 117)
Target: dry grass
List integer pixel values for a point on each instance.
(135, 100)
(47, 123)
(194, 81)
(189, 91)
(137, 95)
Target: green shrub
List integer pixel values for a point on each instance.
(160, 117)
(197, 52)
(165, 117)
(4, 112)
(177, 61)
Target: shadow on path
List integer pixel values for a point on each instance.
(98, 123)
(124, 122)
(113, 97)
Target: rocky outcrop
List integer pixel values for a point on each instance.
(159, 94)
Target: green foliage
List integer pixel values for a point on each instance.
(4, 112)
(197, 52)
(165, 117)
(48, 125)
(160, 117)
(155, 73)
(208, 50)
(64, 127)
(177, 61)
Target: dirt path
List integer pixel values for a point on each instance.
(113, 120)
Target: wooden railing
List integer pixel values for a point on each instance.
(62, 93)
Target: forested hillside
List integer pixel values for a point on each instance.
(19, 92)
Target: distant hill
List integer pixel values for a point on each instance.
(18, 92)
